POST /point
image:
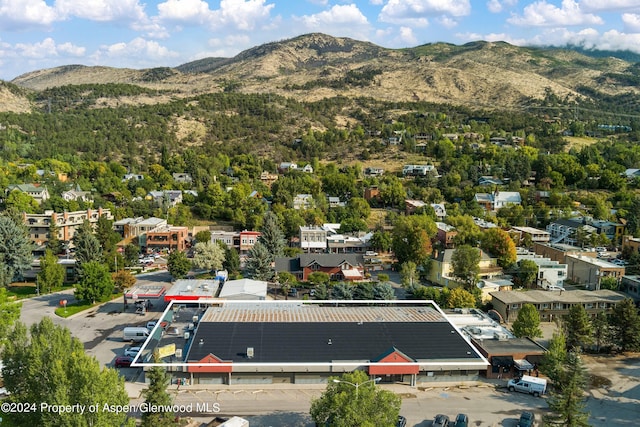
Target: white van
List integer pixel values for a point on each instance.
(135, 334)
(528, 384)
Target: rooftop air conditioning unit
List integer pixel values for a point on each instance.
(187, 335)
(179, 353)
(194, 319)
(250, 352)
(501, 336)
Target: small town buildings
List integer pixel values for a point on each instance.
(559, 251)
(412, 206)
(166, 238)
(132, 176)
(169, 198)
(588, 271)
(285, 167)
(440, 211)
(551, 273)
(244, 289)
(242, 241)
(631, 242)
(182, 178)
(371, 193)
(307, 168)
(489, 181)
(295, 342)
(373, 172)
(313, 238)
(441, 272)
(76, 194)
(134, 227)
(334, 202)
(536, 235)
(446, 234)
(348, 267)
(510, 357)
(67, 223)
(303, 201)
(630, 284)
(268, 178)
(248, 239)
(554, 304)
(192, 290)
(498, 199)
(344, 244)
(37, 191)
(419, 170)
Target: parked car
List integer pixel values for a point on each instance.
(370, 253)
(123, 361)
(131, 351)
(402, 421)
(440, 421)
(461, 421)
(526, 419)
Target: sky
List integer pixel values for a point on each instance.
(39, 34)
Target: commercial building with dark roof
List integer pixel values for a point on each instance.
(232, 342)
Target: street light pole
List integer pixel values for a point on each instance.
(357, 385)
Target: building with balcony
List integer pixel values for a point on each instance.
(588, 271)
(134, 227)
(37, 191)
(67, 223)
(166, 238)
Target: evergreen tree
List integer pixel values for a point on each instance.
(15, 249)
(383, 291)
(567, 402)
(87, 245)
(555, 357)
(231, 259)
(156, 395)
(259, 262)
(625, 326)
(95, 282)
(577, 327)
(272, 236)
(342, 291)
(601, 330)
(53, 243)
(51, 273)
(527, 323)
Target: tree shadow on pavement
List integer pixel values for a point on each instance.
(279, 418)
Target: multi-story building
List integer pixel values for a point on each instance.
(38, 192)
(445, 235)
(588, 271)
(133, 227)
(551, 274)
(66, 222)
(632, 242)
(166, 238)
(554, 304)
(248, 240)
(631, 286)
(338, 266)
(536, 235)
(242, 241)
(313, 238)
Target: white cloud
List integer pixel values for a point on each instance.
(337, 15)
(47, 48)
(416, 12)
(497, 6)
(447, 22)
(631, 22)
(21, 14)
(541, 14)
(407, 37)
(376, 2)
(101, 10)
(230, 41)
(137, 48)
(609, 5)
(241, 14)
(184, 11)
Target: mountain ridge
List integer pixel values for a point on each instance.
(314, 66)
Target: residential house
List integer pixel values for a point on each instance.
(37, 191)
(419, 170)
(440, 211)
(632, 242)
(348, 267)
(412, 206)
(132, 176)
(484, 224)
(554, 304)
(169, 198)
(303, 201)
(334, 202)
(498, 140)
(551, 274)
(498, 199)
(285, 167)
(445, 235)
(453, 137)
(489, 181)
(182, 178)
(441, 272)
(307, 168)
(588, 271)
(371, 193)
(560, 251)
(76, 194)
(248, 239)
(536, 235)
(67, 223)
(166, 238)
(613, 230)
(632, 174)
(565, 230)
(373, 172)
(268, 178)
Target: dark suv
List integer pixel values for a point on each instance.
(526, 419)
(461, 421)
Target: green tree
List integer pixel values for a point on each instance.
(527, 324)
(49, 365)
(95, 282)
(601, 330)
(259, 262)
(465, 262)
(354, 400)
(342, 291)
(555, 357)
(577, 327)
(53, 242)
(106, 235)
(131, 253)
(286, 280)
(231, 259)
(318, 277)
(498, 243)
(156, 395)
(271, 235)
(178, 265)
(609, 282)
(408, 273)
(381, 241)
(123, 280)
(21, 202)
(625, 326)
(526, 273)
(87, 245)
(9, 314)
(460, 298)
(412, 238)
(383, 291)
(567, 402)
(208, 255)
(203, 236)
(51, 275)
(15, 249)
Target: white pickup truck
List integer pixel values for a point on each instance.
(528, 384)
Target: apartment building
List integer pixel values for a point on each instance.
(67, 223)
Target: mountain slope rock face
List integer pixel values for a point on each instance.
(317, 66)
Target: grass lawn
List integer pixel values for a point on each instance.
(21, 290)
(79, 306)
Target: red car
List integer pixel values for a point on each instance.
(123, 361)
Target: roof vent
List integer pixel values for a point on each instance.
(329, 341)
(250, 352)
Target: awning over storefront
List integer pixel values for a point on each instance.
(506, 361)
(352, 274)
(523, 365)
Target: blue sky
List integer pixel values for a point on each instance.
(37, 34)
